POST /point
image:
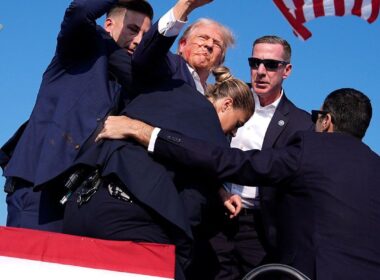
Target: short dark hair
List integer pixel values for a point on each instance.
(272, 39)
(350, 110)
(140, 6)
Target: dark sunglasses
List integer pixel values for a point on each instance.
(315, 115)
(269, 64)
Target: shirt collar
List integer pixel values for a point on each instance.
(272, 106)
(197, 80)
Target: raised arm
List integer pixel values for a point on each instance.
(158, 41)
(153, 58)
(78, 29)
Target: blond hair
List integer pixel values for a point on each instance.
(226, 85)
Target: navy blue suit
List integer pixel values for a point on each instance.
(176, 198)
(152, 62)
(330, 209)
(77, 92)
(157, 184)
(286, 121)
(7, 149)
(249, 240)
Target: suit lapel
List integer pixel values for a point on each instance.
(277, 124)
(184, 72)
(276, 127)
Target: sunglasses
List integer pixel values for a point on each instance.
(269, 64)
(315, 115)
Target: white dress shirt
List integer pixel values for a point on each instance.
(248, 137)
(169, 26)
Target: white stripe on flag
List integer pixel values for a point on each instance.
(290, 5)
(329, 7)
(308, 10)
(366, 9)
(297, 13)
(348, 6)
(28, 269)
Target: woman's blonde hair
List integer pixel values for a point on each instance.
(226, 85)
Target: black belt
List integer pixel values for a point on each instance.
(13, 183)
(89, 181)
(249, 211)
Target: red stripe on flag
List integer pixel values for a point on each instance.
(124, 256)
(296, 17)
(339, 7)
(319, 10)
(299, 10)
(357, 8)
(296, 25)
(375, 11)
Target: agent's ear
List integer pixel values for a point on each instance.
(327, 124)
(108, 25)
(287, 71)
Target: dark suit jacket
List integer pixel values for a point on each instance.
(286, 121)
(8, 148)
(331, 205)
(76, 93)
(152, 62)
(177, 194)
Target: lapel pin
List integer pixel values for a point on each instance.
(281, 123)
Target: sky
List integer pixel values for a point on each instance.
(343, 52)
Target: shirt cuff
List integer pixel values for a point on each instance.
(169, 26)
(153, 138)
(227, 187)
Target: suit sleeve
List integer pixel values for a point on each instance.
(153, 48)
(7, 149)
(267, 168)
(78, 29)
(152, 60)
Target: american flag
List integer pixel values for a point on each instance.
(32, 254)
(297, 12)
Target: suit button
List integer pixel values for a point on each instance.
(77, 147)
(174, 139)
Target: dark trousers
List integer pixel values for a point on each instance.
(35, 210)
(238, 246)
(107, 217)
